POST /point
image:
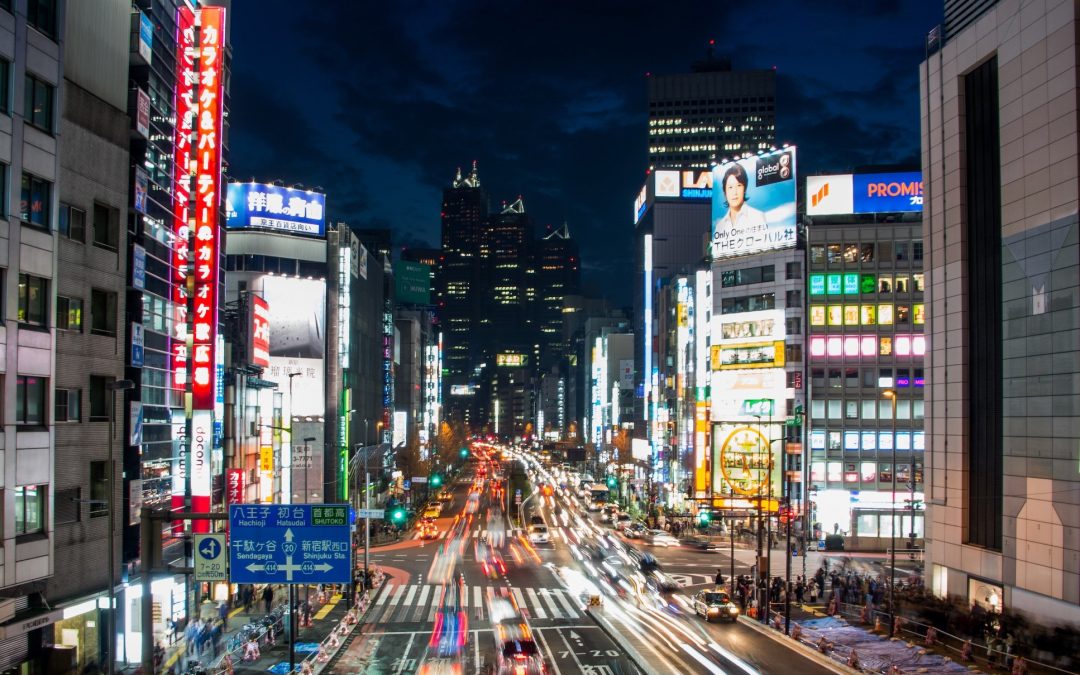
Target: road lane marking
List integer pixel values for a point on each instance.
(405, 657)
(476, 599)
(535, 604)
(421, 602)
(570, 611)
(547, 648)
(697, 656)
(520, 599)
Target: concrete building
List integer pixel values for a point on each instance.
(91, 339)
(31, 44)
(999, 159)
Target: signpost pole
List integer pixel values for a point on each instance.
(292, 628)
(367, 522)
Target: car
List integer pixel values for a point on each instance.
(635, 530)
(516, 652)
(703, 544)
(715, 605)
(538, 534)
(432, 513)
(622, 521)
(661, 583)
(429, 531)
(607, 514)
(659, 538)
(536, 520)
(421, 523)
(445, 495)
(434, 505)
(596, 506)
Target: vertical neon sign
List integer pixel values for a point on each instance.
(207, 204)
(184, 105)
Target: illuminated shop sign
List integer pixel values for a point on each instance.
(260, 332)
(184, 103)
(757, 355)
(753, 205)
(842, 284)
(640, 202)
(831, 346)
(864, 193)
(274, 207)
(748, 326)
(744, 456)
(690, 184)
(511, 360)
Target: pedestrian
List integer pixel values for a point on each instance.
(268, 598)
(719, 578)
(215, 637)
(248, 596)
(223, 615)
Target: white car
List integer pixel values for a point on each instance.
(659, 538)
(538, 534)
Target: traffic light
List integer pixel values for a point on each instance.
(704, 518)
(464, 453)
(397, 515)
(612, 482)
(435, 480)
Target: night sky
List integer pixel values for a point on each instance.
(379, 103)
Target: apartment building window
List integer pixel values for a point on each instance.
(5, 86)
(66, 407)
(106, 227)
(99, 398)
(31, 394)
(72, 222)
(69, 313)
(794, 325)
(35, 200)
(29, 509)
(793, 353)
(747, 275)
(793, 270)
(748, 303)
(99, 489)
(38, 110)
(41, 14)
(102, 312)
(33, 300)
(793, 299)
(916, 251)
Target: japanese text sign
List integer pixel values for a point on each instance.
(289, 543)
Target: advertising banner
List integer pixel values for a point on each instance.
(142, 113)
(412, 283)
(753, 205)
(202, 437)
(274, 207)
(146, 37)
(297, 340)
(234, 486)
(746, 461)
(750, 355)
(184, 104)
(846, 194)
(748, 327)
(259, 324)
(142, 184)
(401, 427)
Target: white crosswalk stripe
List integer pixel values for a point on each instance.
(411, 603)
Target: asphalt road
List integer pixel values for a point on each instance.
(442, 582)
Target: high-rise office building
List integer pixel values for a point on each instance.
(464, 217)
(709, 114)
(999, 157)
(558, 274)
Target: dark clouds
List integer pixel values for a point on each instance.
(378, 103)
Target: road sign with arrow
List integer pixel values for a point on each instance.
(210, 559)
(289, 544)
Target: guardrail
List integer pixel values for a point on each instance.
(315, 663)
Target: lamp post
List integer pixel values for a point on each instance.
(891, 395)
(292, 587)
(110, 621)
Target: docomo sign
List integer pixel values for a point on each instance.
(260, 332)
(207, 206)
(202, 438)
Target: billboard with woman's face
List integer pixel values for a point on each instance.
(753, 204)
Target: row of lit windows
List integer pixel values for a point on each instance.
(853, 283)
(867, 345)
(867, 440)
(872, 472)
(865, 409)
(884, 378)
(885, 314)
(850, 254)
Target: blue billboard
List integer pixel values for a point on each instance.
(272, 207)
(887, 192)
(753, 204)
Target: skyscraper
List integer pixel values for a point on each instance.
(464, 217)
(709, 114)
(558, 272)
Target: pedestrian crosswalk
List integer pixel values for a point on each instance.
(412, 603)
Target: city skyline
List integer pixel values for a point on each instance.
(381, 122)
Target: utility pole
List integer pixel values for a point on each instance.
(110, 466)
(891, 395)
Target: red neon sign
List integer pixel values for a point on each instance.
(184, 104)
(260, 331)
(207, 192)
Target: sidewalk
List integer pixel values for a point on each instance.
(324, 618)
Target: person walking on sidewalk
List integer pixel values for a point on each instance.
(268, 598)
(719, 578)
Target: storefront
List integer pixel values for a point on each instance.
(170, 603)
(79, 631)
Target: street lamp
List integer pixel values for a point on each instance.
(891, 395)
(110, 622)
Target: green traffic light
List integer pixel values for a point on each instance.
(704, 517)
(436, 480)
(464, 453)
(397, 515)
(612, 482)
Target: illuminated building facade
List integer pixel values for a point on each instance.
(697, 118)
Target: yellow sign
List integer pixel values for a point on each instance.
(746, 462)
(266, 459)
(754, 355)
(511, 360)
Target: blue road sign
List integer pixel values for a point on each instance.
(289, 544)
(282, 668)
(210, 549)
(307, 647)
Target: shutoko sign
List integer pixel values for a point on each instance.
(272, 207)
